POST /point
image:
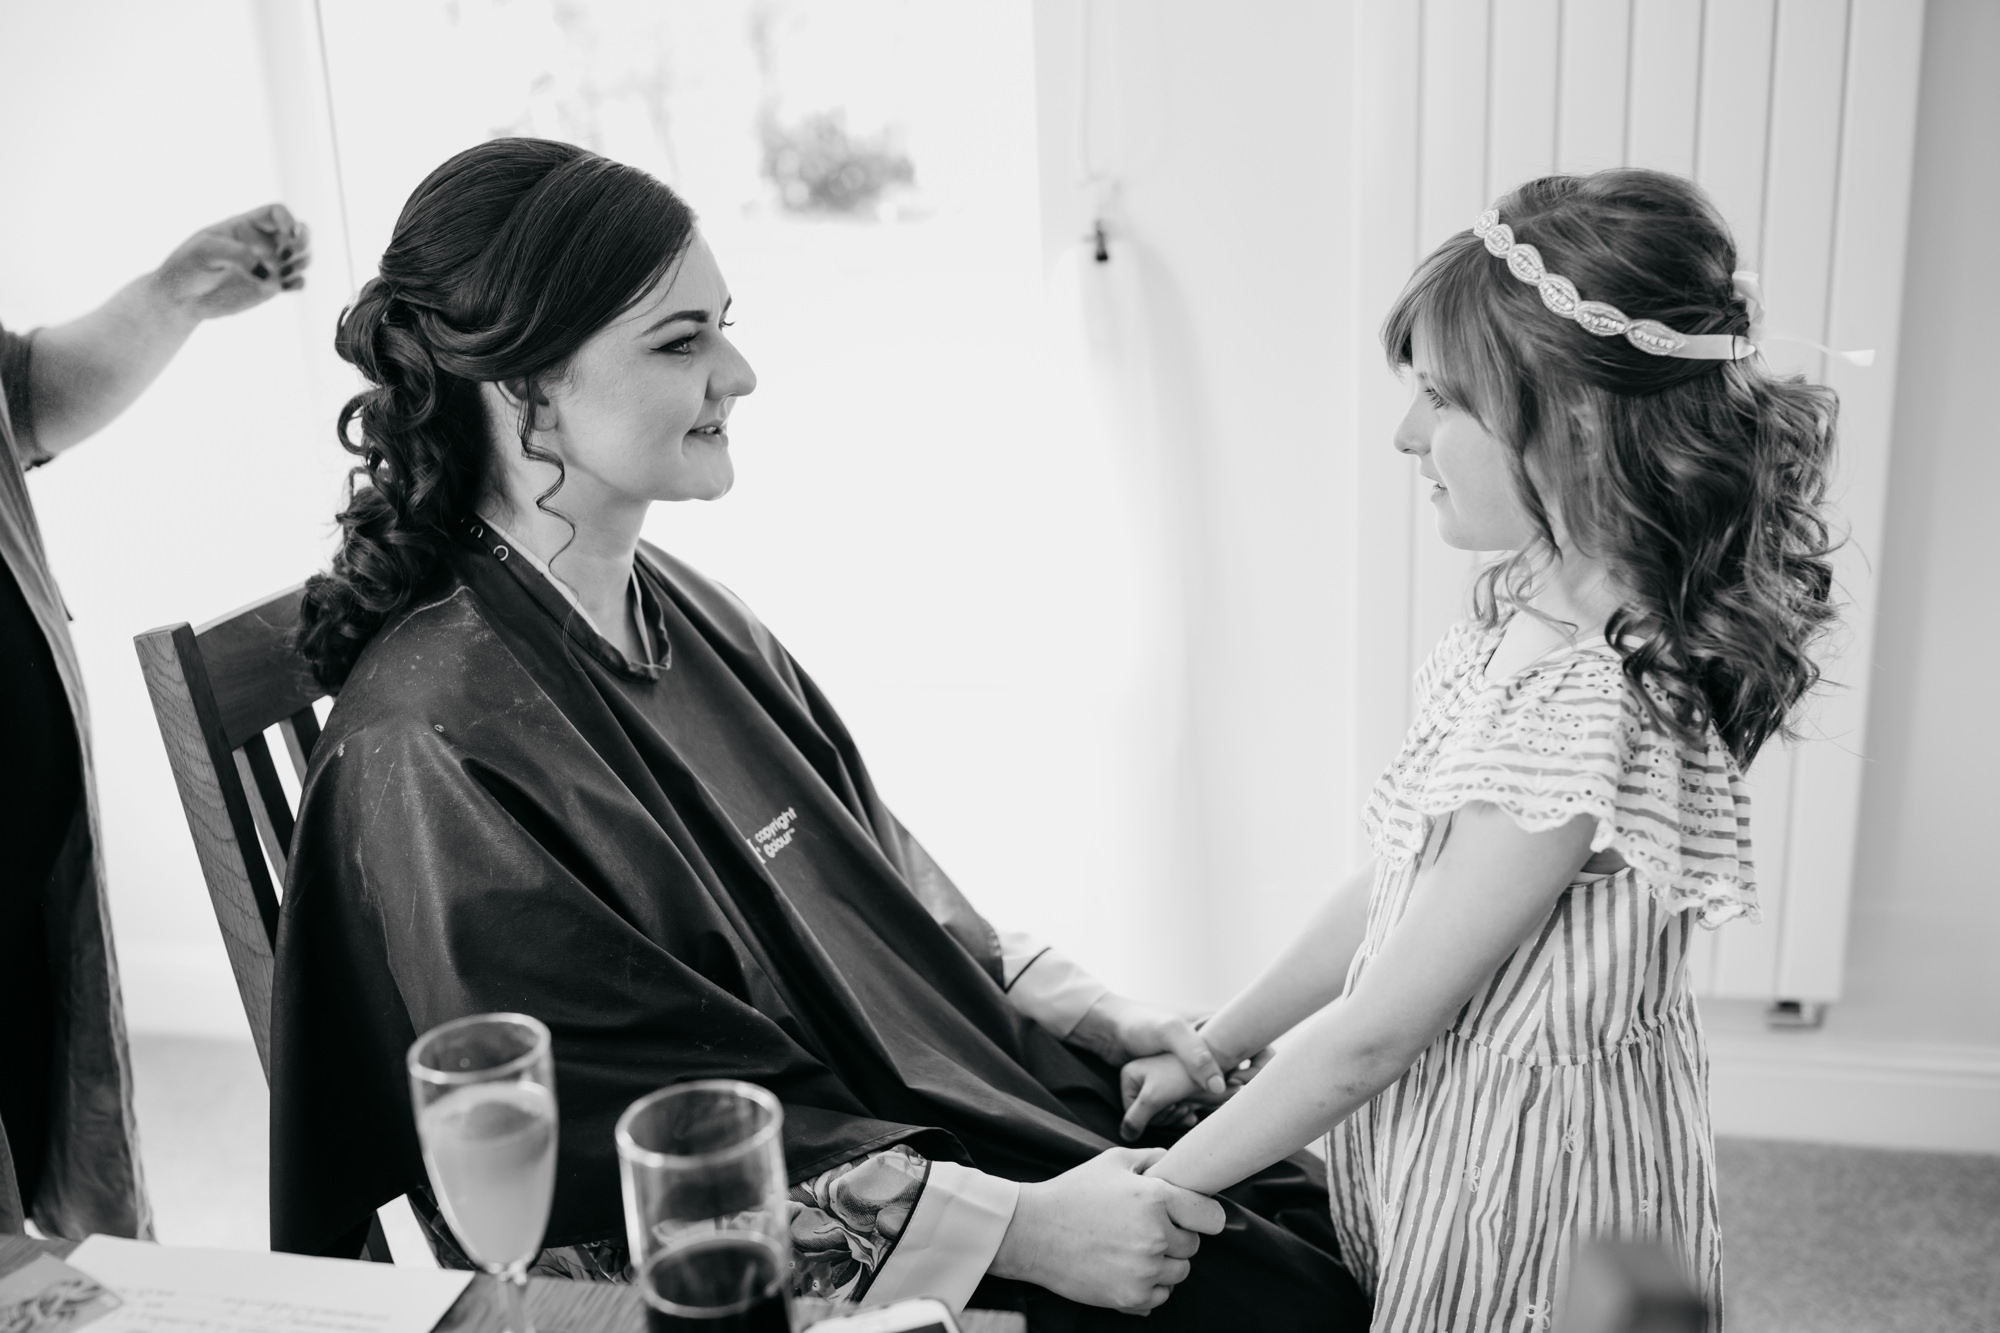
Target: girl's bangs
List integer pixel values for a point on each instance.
(1448, 305)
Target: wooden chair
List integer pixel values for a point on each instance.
(215, 691)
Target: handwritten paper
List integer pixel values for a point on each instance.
(168, 1289)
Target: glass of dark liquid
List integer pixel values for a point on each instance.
(703, 1170)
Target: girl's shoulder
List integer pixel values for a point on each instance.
(1567, 713)
(1570, 735)
(1585, 674)
(1466, 644)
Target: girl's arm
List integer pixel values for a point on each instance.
(1492, 886)
(1305, 978)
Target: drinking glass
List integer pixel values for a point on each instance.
(484, 1090)
(703, 1170)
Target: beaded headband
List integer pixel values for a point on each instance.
(1559, 294)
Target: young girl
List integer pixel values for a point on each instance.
(1502, 1046)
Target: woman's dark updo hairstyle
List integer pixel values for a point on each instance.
(1699, 483)
(504, 262)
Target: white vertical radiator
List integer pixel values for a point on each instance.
(1799, 117)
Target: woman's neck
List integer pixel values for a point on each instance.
(594, 559)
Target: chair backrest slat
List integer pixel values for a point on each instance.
(301, 733)
(270, 807)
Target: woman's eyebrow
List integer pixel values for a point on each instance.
(690, 316)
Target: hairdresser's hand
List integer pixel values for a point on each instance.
(1105, 1234)
(1157, 1089)
(237, 263)
(1118, 1030)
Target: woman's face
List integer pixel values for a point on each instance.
(1472, 481)
(643, 413)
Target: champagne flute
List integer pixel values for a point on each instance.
(702, 1165)
(484, 1092)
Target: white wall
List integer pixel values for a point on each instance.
(1223, 131)
(1927, 914)
(1922, 1005)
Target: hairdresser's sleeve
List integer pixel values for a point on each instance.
(17, 424)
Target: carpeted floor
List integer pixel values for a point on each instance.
(1824, 1239)
(1820, 1239)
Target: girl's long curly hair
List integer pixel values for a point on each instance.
(1700, 484)
(503, 263)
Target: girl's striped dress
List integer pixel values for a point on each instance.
(1569, 1098)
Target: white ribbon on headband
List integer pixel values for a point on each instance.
(1752, 291)
(1561, 297)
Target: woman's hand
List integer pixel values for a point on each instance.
(1149, 1086)
(237, 263)
(1105, 1234)
(1158, 1085)
(1118, 1029)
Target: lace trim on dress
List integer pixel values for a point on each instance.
(1566, 738)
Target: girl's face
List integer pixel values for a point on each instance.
(643, 413)
(1472, 480)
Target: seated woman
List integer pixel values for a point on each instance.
(568, 775)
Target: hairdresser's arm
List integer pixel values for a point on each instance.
(1491, 888)
(84, 373)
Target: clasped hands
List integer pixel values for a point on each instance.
(1104, 1233)
(1167, 1072)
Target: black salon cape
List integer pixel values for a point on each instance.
(505, 814)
